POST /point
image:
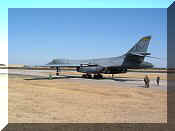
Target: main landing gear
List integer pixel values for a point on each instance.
(89, 76)
(98, 76)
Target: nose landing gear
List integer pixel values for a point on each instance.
(57, 73)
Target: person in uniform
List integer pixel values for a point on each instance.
(158, 80)
(146, 80)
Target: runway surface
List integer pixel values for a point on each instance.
(136, 82)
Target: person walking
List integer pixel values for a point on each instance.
(158, 80)
(146, 80)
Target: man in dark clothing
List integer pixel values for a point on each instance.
(146, 80)
(158, 80)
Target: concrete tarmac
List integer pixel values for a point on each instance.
(124, 81)
(72, 99)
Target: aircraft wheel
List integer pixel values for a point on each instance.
(98, 76)
(95, 76)
(89, 76)
(84, 76)
(57, 74)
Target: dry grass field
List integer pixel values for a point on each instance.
(85, 101)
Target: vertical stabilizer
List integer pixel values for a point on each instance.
(141, 46)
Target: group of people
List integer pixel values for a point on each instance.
(147, 81)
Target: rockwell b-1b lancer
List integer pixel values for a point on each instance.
(133, 59)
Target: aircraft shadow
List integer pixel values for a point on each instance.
(47, 78)
(141, 86)
(121, 79)
(39, 78)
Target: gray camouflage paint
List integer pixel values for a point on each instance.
(134, 58)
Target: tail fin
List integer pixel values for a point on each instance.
(141, 46)
(137, 53)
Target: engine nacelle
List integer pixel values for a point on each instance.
(99, 69)
(90, 69)
(114, 70)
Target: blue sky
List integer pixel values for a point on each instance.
(5, 4)
(36, 36)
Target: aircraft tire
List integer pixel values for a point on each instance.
(84, 76)
(89, 76)
(95, 76)
(98, 76)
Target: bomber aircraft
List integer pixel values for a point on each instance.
(94, 68)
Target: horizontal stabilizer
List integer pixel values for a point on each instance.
(140, 53)
(144, 55)
(153, 57)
